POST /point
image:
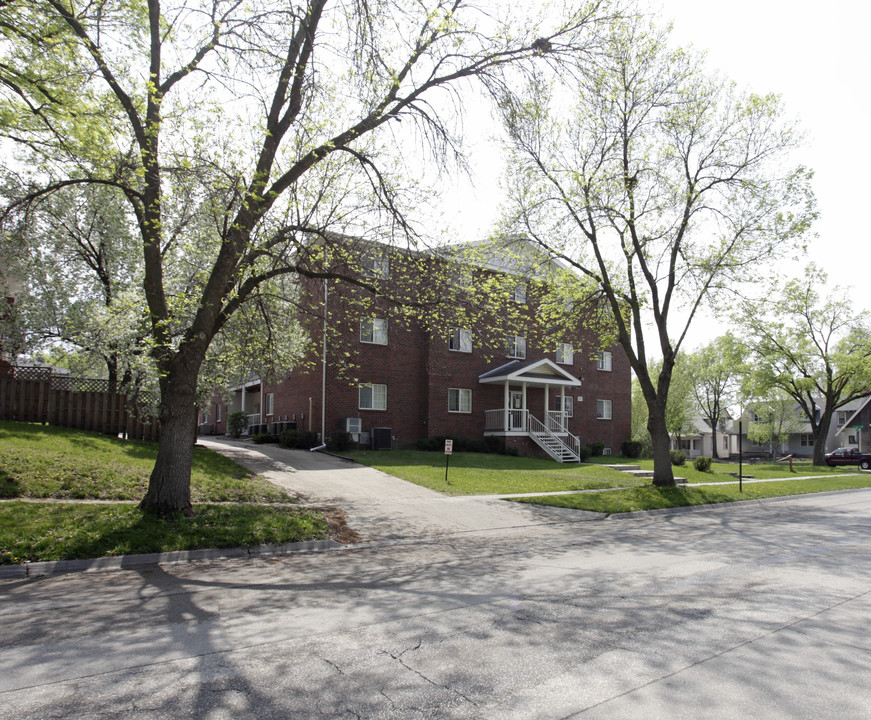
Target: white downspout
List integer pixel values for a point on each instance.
(324, 370)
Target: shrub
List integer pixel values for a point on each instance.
(631, 448)
(702, 463)
(339, 441)
(494, 444)
(585, 452)
(287, 438)
(678, 457)
(237, 423)
(597, 448)
(428, 444)
(306, 439)
(261, 438)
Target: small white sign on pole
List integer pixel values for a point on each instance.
(449, 447)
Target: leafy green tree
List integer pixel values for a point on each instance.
(663, 185)
(806, 339)
(77, 262)
(639, 415)
(245, 137)
(771, 421)
(714, 372)
(680, 410)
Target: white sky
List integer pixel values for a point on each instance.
(818, 58)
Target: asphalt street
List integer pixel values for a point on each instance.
(753, 611)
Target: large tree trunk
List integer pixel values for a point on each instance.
(169, 487)
(822, 434)
(663, 475)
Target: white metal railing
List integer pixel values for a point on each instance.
(547, 440)
(573, 442)
(253, 419)
(524, 421)
(496, 420)
(556, 421)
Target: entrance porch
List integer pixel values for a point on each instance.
(514, 418)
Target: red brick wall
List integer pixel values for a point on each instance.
(418, 368)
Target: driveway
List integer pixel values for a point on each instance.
(379, 506)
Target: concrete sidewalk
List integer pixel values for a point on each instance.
(380, 506)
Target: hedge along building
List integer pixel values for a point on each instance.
(465, 342)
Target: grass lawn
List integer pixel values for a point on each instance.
(40, 462)
(485, 474)
(66, 531)
(650, 498)
(720, 471)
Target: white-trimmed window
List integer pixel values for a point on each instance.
(569, 405)
(205, 418)
(807, 440)
(603, 409)
(375, 264)
(270, 403)
(519, 294)
(217, 413)
(373, 397)
(565, 353)
(603, 362)
(461, 277)
(851, 439)
(460, 340)
(842, 417)
(515, 347)
(459, 400)
(374, 331)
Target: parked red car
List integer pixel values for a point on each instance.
(849, 456)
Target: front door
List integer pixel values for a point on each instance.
(516, 414)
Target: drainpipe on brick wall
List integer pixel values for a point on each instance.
(324, 371)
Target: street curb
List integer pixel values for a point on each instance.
(122, 562)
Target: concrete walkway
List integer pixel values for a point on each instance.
(379, 506)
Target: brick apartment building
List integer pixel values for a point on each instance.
(472, 364)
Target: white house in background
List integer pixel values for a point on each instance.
(700, 441)
(801, 442)
(855, 430)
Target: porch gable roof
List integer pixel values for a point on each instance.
(532, 372)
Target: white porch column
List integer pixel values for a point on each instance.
(546, 402)
(562, 404)
(243, 397)
(505, 404)
(524, 408)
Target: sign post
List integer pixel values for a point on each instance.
(449, 449)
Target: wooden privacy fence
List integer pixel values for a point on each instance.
(36, 394)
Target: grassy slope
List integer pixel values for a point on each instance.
(50, 462)
(39, 461)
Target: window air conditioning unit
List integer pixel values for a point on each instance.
(353, 425)
(606, 451)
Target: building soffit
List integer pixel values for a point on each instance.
(532, 372)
